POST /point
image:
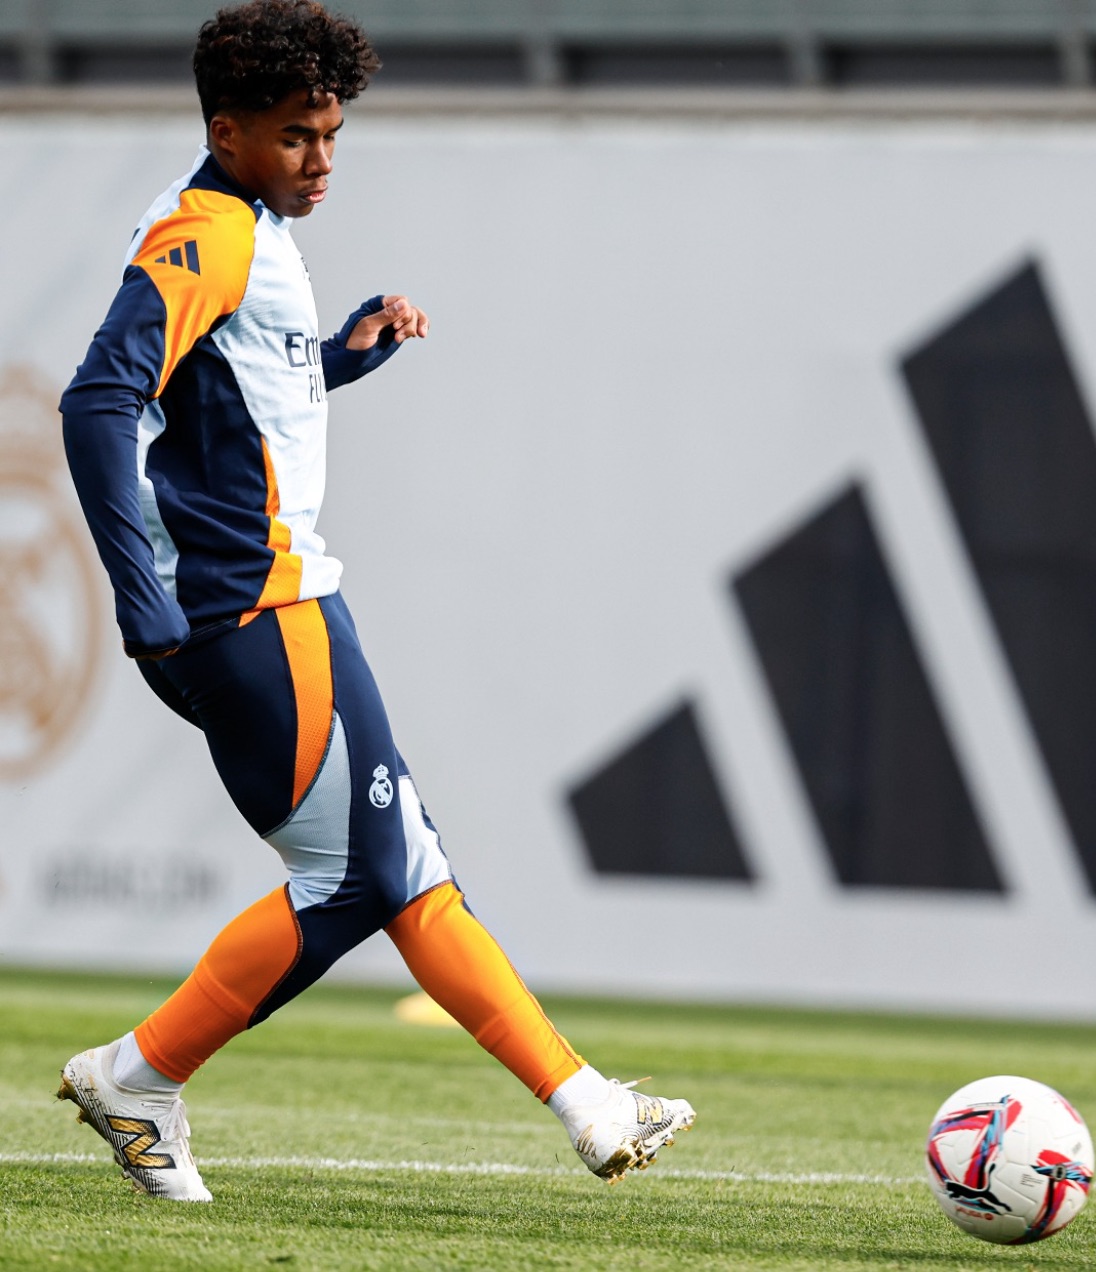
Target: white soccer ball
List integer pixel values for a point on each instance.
(1009, 1160)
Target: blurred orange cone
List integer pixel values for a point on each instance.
(420, 1009)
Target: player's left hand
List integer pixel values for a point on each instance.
(400, 314)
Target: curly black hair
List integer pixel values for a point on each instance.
(253, 55)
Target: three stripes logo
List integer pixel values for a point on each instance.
(186, 257)
(1004, 422)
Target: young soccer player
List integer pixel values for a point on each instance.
(195, 432)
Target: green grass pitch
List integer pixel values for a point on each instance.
(335, 1137)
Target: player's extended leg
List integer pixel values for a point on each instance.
(613, 1128)
(462, 968)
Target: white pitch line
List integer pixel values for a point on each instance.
(477, 1168)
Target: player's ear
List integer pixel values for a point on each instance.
(224, 131)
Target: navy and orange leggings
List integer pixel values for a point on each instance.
(300, 737)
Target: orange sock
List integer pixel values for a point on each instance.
(246, 961)
(460, 965)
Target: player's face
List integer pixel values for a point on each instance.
(283, 155)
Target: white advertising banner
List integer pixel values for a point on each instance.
(656, 349)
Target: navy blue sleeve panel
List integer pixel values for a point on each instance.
(102, 453)
(101, 408)
(342, 365)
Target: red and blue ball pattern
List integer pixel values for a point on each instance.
(1009, 1160)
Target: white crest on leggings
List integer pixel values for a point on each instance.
(380, 793)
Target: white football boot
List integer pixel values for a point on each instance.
(624, 1130)
(149, 1133)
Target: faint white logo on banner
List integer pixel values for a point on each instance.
(86, 880)
(51, 596)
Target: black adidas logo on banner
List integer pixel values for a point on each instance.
(1004, 420)
(175, 257)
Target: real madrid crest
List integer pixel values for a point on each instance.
(380, 793)
(51, 602)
